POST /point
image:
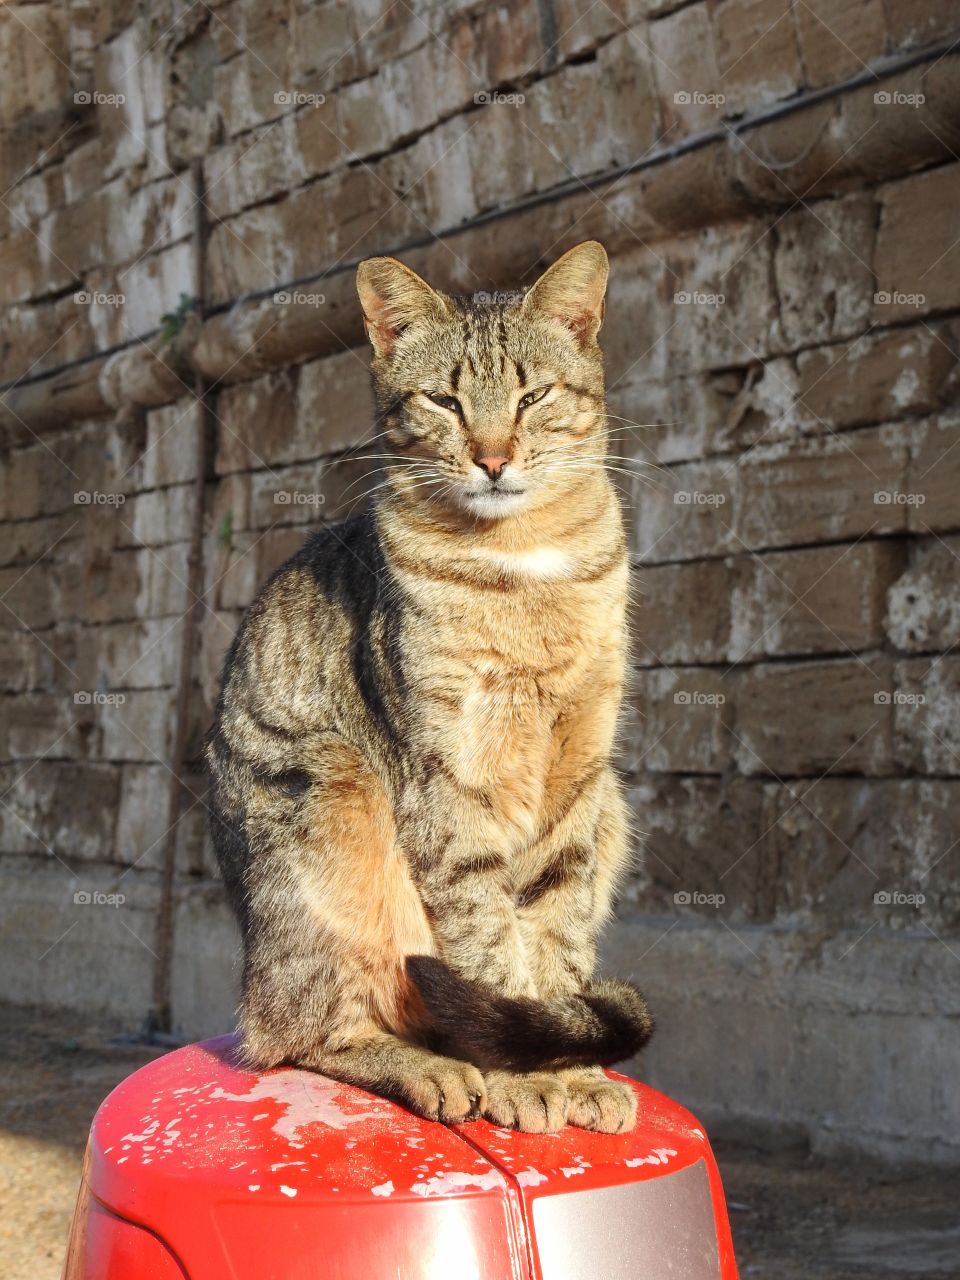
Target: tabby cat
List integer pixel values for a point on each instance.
(414, 808)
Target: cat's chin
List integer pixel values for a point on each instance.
(494, 505)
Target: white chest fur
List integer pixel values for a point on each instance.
(535, 562)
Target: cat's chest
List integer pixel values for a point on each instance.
(496, 681)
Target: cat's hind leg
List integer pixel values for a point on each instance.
(330, 914)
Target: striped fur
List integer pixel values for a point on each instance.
(411, 752)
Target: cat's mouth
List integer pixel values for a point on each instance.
(493, 502)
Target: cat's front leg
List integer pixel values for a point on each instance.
(463, 878)
(561, 909)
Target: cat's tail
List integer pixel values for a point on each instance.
(605, 1023)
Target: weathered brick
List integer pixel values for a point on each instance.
(757, 53)
(170, 455)
(142, 819)
(838, 37)
(26, 662)
(158, 516)
(925, 695)
(38, 819)
(26, 599)
(684, 612)
(140, 728)
(675, 722)
(812, 717)
(100, 585)
(164, 575)
(246, 171)
(847, 846)
(821, 600)
(875, 378)
(923, 607)
(685, 67)
(702, 837)
(134, 655)
(917, 247)
(41, 723)
(822, 489)
(686, 513)
(725, 311)
(247, 86)
(838, 236)
(322, 407)
(918, 22)
(325, 50)
(933, 477)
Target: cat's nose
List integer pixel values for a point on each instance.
(493, 466)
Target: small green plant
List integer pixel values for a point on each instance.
(225, 532)
(171, 322)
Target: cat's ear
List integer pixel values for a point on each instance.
(393, 297)
(573, 289)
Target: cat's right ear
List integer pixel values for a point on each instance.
(393, 297)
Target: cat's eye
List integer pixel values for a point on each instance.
(445, 402)
(532, 397)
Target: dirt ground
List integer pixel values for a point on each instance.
(793, 1215)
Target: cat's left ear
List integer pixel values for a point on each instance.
(393, 297)
(572, 290)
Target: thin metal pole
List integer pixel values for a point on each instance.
(162, 1018)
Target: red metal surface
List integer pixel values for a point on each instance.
(289, 1176)
(667, 1138)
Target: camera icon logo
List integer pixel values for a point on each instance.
(883, 898)
(882, 97)
(682, 898)
(283, 497)
(283, 98)
(83, 897)
(281, 298)
(682, 698)
(682, 98)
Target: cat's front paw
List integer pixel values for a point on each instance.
(535, 1102)
(442, 1089)
(597, 1103)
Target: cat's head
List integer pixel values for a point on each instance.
(490, 404)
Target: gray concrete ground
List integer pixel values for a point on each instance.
(793, 1216)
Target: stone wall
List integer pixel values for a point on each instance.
(778, 187)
